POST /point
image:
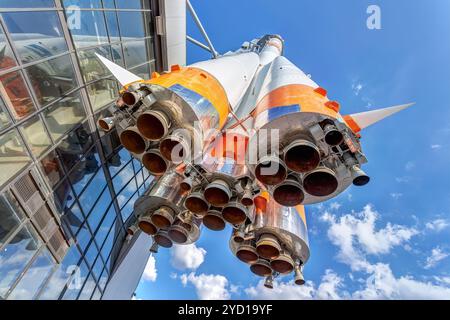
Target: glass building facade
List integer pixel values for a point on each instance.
(66, 189)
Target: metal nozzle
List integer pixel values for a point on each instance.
(106, 124)
(333, 136)
(132, 140)
(302, 156)
(179, 232)
(132, 230)
(261, 268)
(320, 182)
(162, 239)
(187, 184)
(247, 198)
(174, 148)
(268, 246)
(218, 193)
(246, 253)
(196, 203)
(235, 213)
(360, 178)
(163, 217)
(269, 282)
(298, 278)
(130, 98)
(213, 220)
(238, 236)
(146, 225)
(283, 264)
(271, 170)
(154, 162)
(289, 193)
(153, 125)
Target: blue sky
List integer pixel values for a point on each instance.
(390, 238)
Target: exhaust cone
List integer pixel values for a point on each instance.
(106, 124)
(163, 217)
(153, 125)
(270, 170)
(174, 148)
(196, 203)
(268, 247)
(154, 163)
(146, 225)
(333, 136)
(238, 236)
(321, 182)
(162, 239)
(213, 220)
(218, 193)
(186, 185)
(283, 264)
(132, 140)
(235, 213)
(247, 199)
(359, 176)
(289, 193)
(179, 232)
(246, 253)
(299, 279)
(261, 268)
(302, 156)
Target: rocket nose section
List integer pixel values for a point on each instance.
(122, 75)
(359, 121)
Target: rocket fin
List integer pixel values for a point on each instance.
(359, 121)
(122, 75)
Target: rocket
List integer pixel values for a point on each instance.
(246, 139)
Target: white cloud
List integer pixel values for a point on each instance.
(329, 288)
(150, 271)
(396, 195)
(208, 286)
(435, 146)
(356, 236)
(335, 206)
(357, 87)
(404, 179)
(437, 225)
(187, 257)
(410, 165)
(437, 255)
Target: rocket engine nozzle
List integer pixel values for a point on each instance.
(333, 136)
(154, 162)
(283, 264)
(268, 246)
(174, 148)
(163, 217)
(271, 170)
(146, 225)
(132, 140)
(213, 220)
(321, 182)
(360, 178)
(235, 213)
(261, 268)
(106, 124)
(179, 231)
(196, 203)
(289, 193)
(246, 253)
(218, 193)
(302, 156)
(153, 125)
(163, 239)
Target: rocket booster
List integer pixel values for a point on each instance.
(247, 139)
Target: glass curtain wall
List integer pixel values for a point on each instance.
(66, 190)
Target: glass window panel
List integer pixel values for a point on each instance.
(62, 116)
(26, 4)
(5, 121)
(36, 36)
(74, 146)
(131, 31)
(89, 4)
(117, 164)
(83, 237)
(102, 93)
(11, 215)
(88, 288)
(117, 54)
(16, 255)
(136, 53)
(98, 267)
(102, 232)
(91, 67)
(7, 59)
(99, 210)
(111, 142)
(128, 209)
(123, 177)
(97, 295)
(129, 4)
(61, 276)
(139, 178)
(36, 136)
(88, 28)
(103, 279)
(34, 278)
(109, 4)
(73, 217)
(13, 156)
(91, 254)
(16, 95)
(113, 27)
(83, 173)
(74, 286)
(142, 71)
(93, 190)
(63, 196)
(52, 169)
(107, 246)
(52, 79)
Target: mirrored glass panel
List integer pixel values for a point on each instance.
(105, 226)
(113, 26)
(16, 95)
(102, 93)
(99, 209)
(91, 67)
(88, 28)
(52, 169)
(89, 4)
(129, 4)
(88, 288)
(35, 36)
(117, 54)
(36, 136)
(26, 4)
(5, 121)
(65, 114)
(74, 146)
(33, 280)
(52, 79)
(7, 59)
(135, 53)
(16, 255)
(92, 191)
(128, 30)
(13, 155)
(76, 281)
(10, 218)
